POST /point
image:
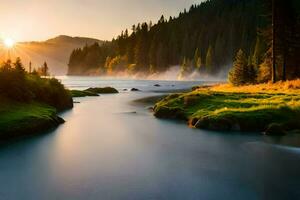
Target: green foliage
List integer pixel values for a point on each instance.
(18, 85)
(217, 29)
(83, 93)
(241, 73)
(12, 79)
(209, 27)
(18, 66)
(28, 103)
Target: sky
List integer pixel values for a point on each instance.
(37, 20)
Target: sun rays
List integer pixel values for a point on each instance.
(9, 43)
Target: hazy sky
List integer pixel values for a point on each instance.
(25, 20)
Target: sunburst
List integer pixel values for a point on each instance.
(9, 43)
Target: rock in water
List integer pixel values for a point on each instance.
(105, 90)
(275, 130)
(134, 90)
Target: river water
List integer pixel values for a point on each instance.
(113, 148)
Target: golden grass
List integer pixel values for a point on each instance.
(222, 107)
(286, 87)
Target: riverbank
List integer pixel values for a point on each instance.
(18, 120)
(29, 104)
(270, 108)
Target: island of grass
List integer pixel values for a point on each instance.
(28, 103)
(269, 108)
(93, 92)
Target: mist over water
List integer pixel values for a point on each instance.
(112, 148)
(174, 73)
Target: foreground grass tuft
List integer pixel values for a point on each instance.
(20, 119)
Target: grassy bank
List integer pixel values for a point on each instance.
(271, 108)
(24, 119)
(28, 102)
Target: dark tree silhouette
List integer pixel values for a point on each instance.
(208, 36)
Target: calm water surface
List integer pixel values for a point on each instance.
(112, 148)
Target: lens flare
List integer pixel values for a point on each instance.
(8, 43)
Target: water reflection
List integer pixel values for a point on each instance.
(290, 140)
(104, 152)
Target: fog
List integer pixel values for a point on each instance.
(174, 74)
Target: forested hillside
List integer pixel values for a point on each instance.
(204, 39)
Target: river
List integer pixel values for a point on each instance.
(112, 148)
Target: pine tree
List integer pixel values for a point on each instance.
(265, 68)
(197, 59)
(18, 66)
(30, 67)
(185, 68)
(45, 69)
(6, 65)
(239, 72)
(217, 28)
(161, 20)
(258, 52)
(251, 74)
(209, 60)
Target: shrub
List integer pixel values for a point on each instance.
(17, 85)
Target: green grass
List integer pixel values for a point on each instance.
(21, 119)
(93, 92)
(28, 102)
(231, 110)
(82, 93)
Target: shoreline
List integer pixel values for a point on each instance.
(21, 120)
(231, 109)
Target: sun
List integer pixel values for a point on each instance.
(8, 43)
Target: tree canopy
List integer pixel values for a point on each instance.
(206, 39)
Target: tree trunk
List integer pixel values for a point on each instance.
(273, 44)
(284, 68)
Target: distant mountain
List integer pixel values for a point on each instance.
(54, 51)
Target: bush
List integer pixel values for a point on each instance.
(17, 85)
